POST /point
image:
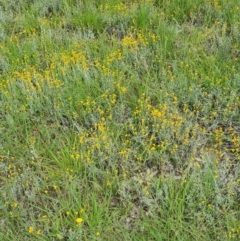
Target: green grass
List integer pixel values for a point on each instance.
(119, 120)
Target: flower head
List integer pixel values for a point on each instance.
(79, 220)
(31, 229)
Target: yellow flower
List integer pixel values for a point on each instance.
(31, 229)
(38, 232)
(59, 236)
(79, 220)
(97, 233)
(15, 204)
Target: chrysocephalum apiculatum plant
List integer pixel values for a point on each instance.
(119, 120)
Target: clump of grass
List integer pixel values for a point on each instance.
(119, 120)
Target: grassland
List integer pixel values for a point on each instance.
(119, 120)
